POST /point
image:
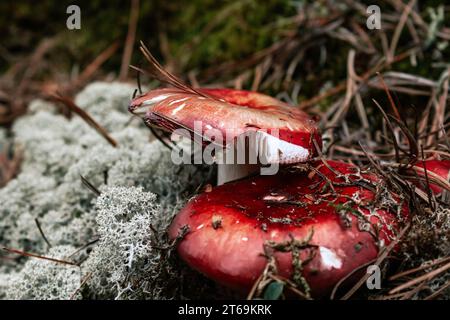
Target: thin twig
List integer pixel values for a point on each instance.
(380, 259)
(399, 28)
(438, 292)
(85, 280)
(38, 224)
(89, 71)
(426, 277)
(129, 42)
(84, 247)
(90, 186)
(85, 116)
(33, 255)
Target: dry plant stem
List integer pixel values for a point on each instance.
(399, 28)
(85, 116)
(329, 93)
(391, 131)
(33, 255)
(257, 78)
(129, 42)
(243, 64)
(438, 292)
(412, 143)
(340, 282)
(262, 277)
(438, 119)
(405, 295)
(355, 152)
(170, 63)
(426, 134)
(252, 292)
(379, 260)
(389, 155)
(90, 186)
(159, 73)
(388, 93)
(363, 79)
(89, 71)
(373, 162)
(411, 293)
(433, 177)
(84, 247)
(166, 142)
(291, 286)
(38, 224)
(193, 79)
(362, 115)
(9, 168)
(31, 67)
(85, 280)
(43, 47)
(426, 277)
(351, 89)
(364, 36)
(414, 15)
(30, 88)
(394, 296)
(431, 198)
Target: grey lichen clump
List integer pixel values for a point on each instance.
(129, 254)
(141, 189)
(46, 280)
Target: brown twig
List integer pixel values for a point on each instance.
(85, 116)
(9, 168)
(423, 267)
(438, 292)
(89, 71)
(38, 224)
(426, 277)
(83, 247)
(33, 255)
(90, 186)
(379, 260)
(399, 28)
(388, 93)
(83, 283)
(129, 42)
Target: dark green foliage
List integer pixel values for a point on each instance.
(200, 32)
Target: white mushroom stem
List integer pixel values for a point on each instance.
(231, 172)
(250, 153)
(257, 152)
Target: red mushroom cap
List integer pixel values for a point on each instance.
(230, 225)
(233, 112)
(439, 167)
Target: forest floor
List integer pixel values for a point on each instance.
(380, 95)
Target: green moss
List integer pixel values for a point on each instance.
(236, 28)
(226, 30)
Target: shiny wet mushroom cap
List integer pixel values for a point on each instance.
(333, 215)
(280, 133)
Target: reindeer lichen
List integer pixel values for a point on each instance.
(141, 190)
(125, 217)
(46, 280)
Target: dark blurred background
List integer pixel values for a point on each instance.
(191, 34)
